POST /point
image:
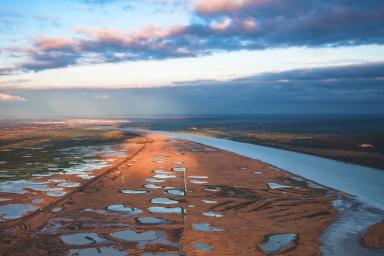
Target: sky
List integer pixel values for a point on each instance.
(137, 57)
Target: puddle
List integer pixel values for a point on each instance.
(123, 208)
(15, 211)
(272, 185)
(163, 200)
(178, 162)
(101, 251)
(133, 236)
(57, 209)
(164, 176)
(7, 176)
(212, 189)
(159, 209)
(179, 169)
(152, 221)
(258, 172)
(199, 181)
(56, 180)
(82, 239)
(154, 180)
(86, 176)
(68, 184)
(176, 192)
(203, 247)
(198, 177)
(134, 192)
(152, 186)
(212, 214)
(209, 201)
(83, 168)
(53, 169)
(37, 201)
(56, 193)
(41, 174)
(206, 227)
(278, 243)
(19, 186)
(159, 171)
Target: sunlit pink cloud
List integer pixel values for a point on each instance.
(54, 43)
(4, 97)
(219, 6)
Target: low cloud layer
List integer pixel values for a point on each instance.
(345, 89)
(4, 97)
(218, 25)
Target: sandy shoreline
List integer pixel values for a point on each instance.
(250, 209)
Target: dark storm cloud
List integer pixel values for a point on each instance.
(347, 89)
(369, 71)
(7, 71)
(302, 22)
(222, 25)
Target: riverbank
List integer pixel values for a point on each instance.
(356, 139)
(361, 150)
(178, 196)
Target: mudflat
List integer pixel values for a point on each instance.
(176, 197)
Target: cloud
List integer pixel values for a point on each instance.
(341, 89)
(47, 19)
(219, 25)
(7, 71)
(219, 6)
(370, 71)
(10, 98)
(360, 84)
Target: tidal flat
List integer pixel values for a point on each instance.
(121, 210)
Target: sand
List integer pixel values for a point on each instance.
(240, 206)
(374, 237)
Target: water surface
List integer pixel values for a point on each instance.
(14, 211)
(82, 239)
(100, 251)
(203, 247)
(277, 243)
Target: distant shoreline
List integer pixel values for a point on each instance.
(308, 150)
